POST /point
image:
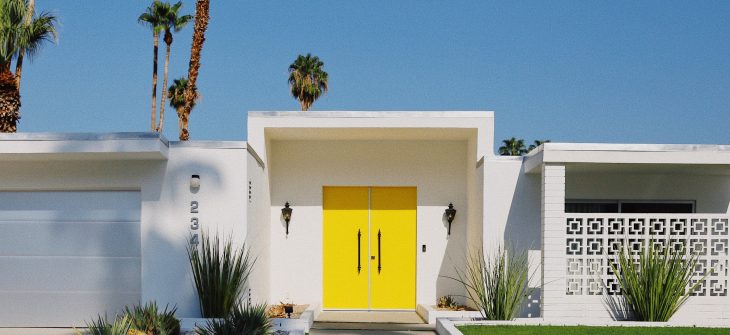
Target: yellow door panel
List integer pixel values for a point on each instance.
(345, 213)
(393, 243)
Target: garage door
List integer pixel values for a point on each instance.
(67, 256)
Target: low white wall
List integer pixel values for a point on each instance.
(299, 170)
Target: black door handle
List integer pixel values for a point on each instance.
(358, 251)
(379, 235)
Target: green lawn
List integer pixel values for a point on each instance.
(582, 330)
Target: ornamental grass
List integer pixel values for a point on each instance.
(497, 284)
(656, 282)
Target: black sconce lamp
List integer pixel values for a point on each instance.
(450, 214)
(286, 213)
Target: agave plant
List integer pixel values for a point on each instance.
(656, 283)
(220, 273)
(497, 284)
(148, 319)
(246, 319)
(102, 326)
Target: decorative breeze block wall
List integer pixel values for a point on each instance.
(594, 240)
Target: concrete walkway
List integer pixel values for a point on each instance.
(369, 317)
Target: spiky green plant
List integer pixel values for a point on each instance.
(656, 283)
(220, 273)
(497, 284)
(102, 326)
(244, 319)
(149, 319)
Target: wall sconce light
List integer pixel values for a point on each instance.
(286, 213)
(195, 181)
(450, 214)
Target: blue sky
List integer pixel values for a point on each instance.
(569, 71)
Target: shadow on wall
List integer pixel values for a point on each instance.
(454, 258)
(522, 232)
(167, 272)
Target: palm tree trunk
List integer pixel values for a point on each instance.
(9, 101)
(179, 119)
(184, 134)
(155, 41)
(164, 89)
(21, 53)
(202, 15)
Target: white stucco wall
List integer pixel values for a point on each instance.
(711, 192)
(222, 199)
(258, 230)
(512, 217)
(165, 193)
(299, 170)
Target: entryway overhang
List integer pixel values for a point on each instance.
(476, 127)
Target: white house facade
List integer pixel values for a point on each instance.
(93, 222)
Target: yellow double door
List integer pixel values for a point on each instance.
(369, 248)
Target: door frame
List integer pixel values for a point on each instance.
(415, 253)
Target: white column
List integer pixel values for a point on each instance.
(552, 207)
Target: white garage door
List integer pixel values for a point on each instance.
(67, 256)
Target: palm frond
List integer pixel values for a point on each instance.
(307, 79)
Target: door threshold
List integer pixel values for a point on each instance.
(371, 316)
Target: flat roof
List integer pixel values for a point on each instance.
(209, 144)
(610, 153)
(370, 114)
(81, 146)
(59, 136)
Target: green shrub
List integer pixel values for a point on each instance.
(497, 284)
(447, 301)
(102, 326)
(249, 320)
(137, 320)
(655, 284)
(220, 274)
(148, 319)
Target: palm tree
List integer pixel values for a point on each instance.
(21, 54)
(536, 143)
(307, 80)
(202, 15)
(172, 21)
(512, 147)
(153, 18)
(22, 33)
(176, 93)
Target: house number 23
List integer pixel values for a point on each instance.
(194, 224)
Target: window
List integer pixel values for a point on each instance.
(591, 207)
(629, 206)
